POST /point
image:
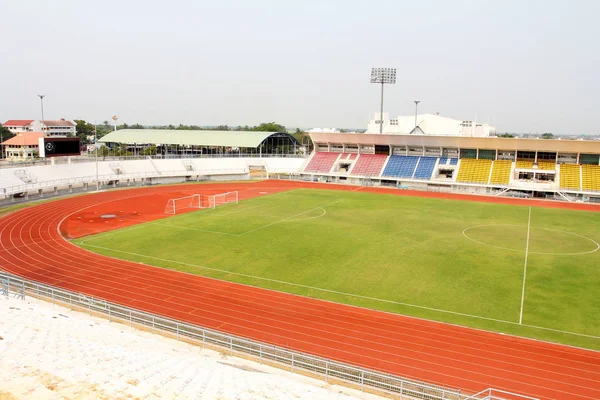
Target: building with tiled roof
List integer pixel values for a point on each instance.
(23, 146)
(19, 125)
(59, 128)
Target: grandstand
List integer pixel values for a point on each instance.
(479, 165)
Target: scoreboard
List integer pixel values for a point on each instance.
(58, 147)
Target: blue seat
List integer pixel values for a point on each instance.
(401, 166)
(425, 168)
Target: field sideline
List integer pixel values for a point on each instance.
(452, 261)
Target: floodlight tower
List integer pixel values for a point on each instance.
(383, 76)
(41, 96)
(416, 111)
(115, 118)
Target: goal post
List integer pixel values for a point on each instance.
(201, 201)
(181, 203)
(217, 200)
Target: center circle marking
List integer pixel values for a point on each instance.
(532, 252)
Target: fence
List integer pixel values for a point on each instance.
(330, 371)
(115, 177)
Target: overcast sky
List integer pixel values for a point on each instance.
(524, 65)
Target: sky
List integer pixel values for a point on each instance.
(523, 66)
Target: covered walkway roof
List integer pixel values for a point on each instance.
(193, 138)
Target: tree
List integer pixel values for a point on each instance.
(136, 126)
(5, 134)
(84, 129)
(507, 135)
(269, 127)
(547, 136)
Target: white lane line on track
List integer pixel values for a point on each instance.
(340, 293)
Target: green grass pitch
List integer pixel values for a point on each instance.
(451, 261)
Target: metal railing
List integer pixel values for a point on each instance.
(90, 157)
(328, 370)
(115, 177)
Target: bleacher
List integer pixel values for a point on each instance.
(425, 168)
(474, 171)
(348, 156)
(590, 177)
(524, 164)
(401, 166)
(321, 162)
(547, 165)
(544, 165)
(369, 164)
(501, 172)
(570, 177)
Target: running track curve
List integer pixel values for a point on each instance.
(32, 246)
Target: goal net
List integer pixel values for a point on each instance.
(217, 200)
(200, 201)
(182, 203)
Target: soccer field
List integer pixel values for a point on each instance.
(526, 271)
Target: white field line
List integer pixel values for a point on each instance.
(157, 222)
(525, 268)
(256, 229)
(341, 293)
(309, 218)
(244, 209)
(288, 218)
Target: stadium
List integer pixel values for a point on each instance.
(411, 266)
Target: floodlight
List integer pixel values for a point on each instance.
(383, 76)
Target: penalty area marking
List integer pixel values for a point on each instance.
(532, 252)
(337, 292)
(287, 219)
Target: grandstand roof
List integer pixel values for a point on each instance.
(190, 138)
(556, 145)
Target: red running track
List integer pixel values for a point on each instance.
(32, 246)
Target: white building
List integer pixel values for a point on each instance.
(51, 128)
(20, 125)
(430, 124)
(58, 128)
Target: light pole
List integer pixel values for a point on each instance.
(416, 110)
(96, 148)
(383, 76)
(41, 96)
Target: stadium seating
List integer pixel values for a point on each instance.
(547, 165)
(321, 162)
(523, 164)
(369, 164)
(348, 156)
(401, 166)
(501, 172)
(590, 177)
(474, 171)
(425, 168)
(570, 177)
(453, 161)
(443, 161)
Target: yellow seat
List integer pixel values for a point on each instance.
(570, 176)
(501, 172)
(590, 177)
(474, 171)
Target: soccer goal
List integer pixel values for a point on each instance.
(181, 203)
(217, 200)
